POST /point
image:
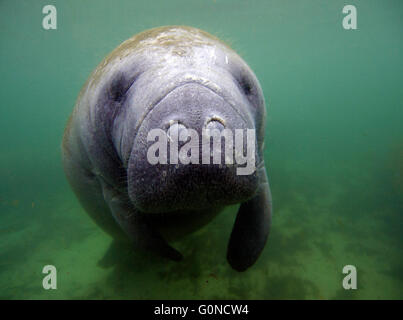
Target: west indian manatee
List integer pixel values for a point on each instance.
(178, 80)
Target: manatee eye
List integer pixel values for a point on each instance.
(250, 88)
(120, 84)
(246, 86)
(118, 88)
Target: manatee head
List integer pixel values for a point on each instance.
(180, 81)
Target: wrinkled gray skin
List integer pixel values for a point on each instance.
(160, 75)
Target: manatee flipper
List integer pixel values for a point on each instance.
(251, 227)
(135, 226)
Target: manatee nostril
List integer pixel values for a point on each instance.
(174, 129)
(215, 123)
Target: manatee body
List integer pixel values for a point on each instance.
(171, 78)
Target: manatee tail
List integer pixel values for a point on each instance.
(251, 228)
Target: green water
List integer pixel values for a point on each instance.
(334, 151)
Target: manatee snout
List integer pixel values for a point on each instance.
(196, 153)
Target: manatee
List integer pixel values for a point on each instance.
(171, 78)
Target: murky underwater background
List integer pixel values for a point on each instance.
(334, 151)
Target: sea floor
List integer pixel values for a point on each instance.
(312, 238)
